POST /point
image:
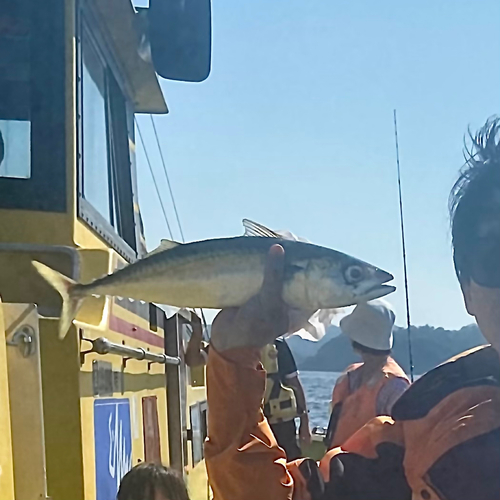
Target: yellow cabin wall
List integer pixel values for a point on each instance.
(61, 406)
(137, 384)
(140, 379)
(67, 397)
(42, 228)
(84, 237)
(6, 466)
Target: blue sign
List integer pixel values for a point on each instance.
(113, 445)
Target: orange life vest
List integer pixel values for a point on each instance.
(350, 411)
(442, 442)
(443, 439)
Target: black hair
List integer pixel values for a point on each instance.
(475, 198)
(368, 350)
(144, 480)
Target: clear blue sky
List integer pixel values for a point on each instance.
(294, 130)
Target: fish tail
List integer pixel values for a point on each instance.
(66, 288)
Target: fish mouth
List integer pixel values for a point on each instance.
(379, 291)
(382, 276)
(378, 287)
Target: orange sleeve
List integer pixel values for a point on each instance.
(459, 439)
(366, 441)
(369, 464)
(378, 431)
(243, 459)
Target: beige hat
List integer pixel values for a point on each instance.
(370, 324)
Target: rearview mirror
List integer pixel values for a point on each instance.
(180, 34)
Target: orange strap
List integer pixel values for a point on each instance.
(359, 407)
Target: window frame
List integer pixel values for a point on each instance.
(120, 161)
(46, 189)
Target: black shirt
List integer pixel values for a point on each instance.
(287, 367)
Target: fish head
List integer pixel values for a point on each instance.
(339, 280)
(367, 282)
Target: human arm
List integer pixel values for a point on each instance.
(243, 459)
(244, 462)
(290, 377)
(195, 354)
(304, 428)
(369, 465)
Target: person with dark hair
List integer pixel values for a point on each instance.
(442, 441)
(152, 482)
(475, 214)
(368, 389)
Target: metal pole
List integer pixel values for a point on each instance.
(104, 346)
(403, 243)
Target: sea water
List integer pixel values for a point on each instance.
(318, 387)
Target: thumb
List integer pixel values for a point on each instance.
(272, 286)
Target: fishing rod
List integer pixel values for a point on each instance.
(403, 244)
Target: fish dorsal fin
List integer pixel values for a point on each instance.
(256, 229)
(287, 235)
(165, 245)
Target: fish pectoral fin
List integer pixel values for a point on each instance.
(165, 245)
(298, 265)
(256, 229)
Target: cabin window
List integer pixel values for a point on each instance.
(105, 179)
(204, 422)
(97, 188)
(198, 419)
(33, 105)
(196, 433)
(15, 149)
(15, 126)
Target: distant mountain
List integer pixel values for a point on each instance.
(431, 347)
(303, 349)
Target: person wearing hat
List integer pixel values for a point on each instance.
(442, 440)
(368, 389)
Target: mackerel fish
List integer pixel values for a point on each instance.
(226, 272)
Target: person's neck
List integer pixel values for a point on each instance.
(374, 364)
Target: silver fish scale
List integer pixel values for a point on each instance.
(294, 250)
(190, 253)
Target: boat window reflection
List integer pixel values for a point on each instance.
(15, 126)
(15, 149)
(96, 170)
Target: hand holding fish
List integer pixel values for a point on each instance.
(261, 319)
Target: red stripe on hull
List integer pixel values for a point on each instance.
(136, 332)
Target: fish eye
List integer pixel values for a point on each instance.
(353, 274)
